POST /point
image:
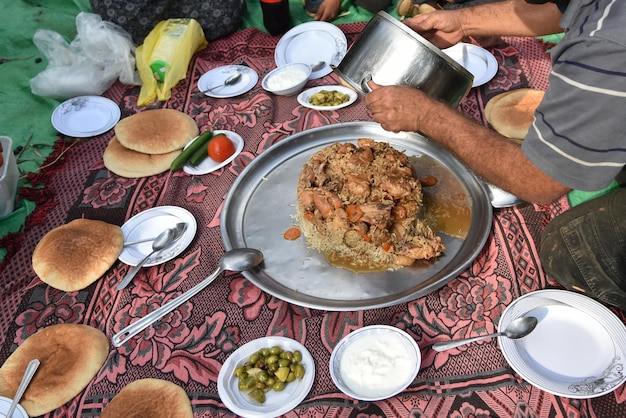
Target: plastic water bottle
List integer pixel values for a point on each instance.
(276, 16)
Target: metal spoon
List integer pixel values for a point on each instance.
(164, 240)
(233, 79)
(517, 328)
(28, 376)
(240, 259)
(317, 66)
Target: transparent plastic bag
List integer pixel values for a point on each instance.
(101, 53)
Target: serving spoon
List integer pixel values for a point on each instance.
(517, 328)
(240, 259)
(232, 79)
(164, 240)
(28, 376)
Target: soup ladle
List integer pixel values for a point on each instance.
(239, 259)
(517, 328)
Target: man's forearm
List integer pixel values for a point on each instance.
(511, 18)
(499, 161)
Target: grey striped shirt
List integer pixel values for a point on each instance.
(578, 136)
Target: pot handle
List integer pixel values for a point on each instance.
(364, 86)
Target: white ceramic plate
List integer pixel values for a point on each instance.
(85, 116)
(276, 403)
(303, 98)
(208, 164)
(311, 42)
(478, 61)
(577, 350)
(149, 224)
(218, 75)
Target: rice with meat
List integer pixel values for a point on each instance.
(363, 203)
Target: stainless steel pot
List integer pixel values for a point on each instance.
(390, 53)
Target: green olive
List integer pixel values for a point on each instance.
(258, 395)
(299, 371)
(276, 350)
(278, 386)
(283, 362)
(297, 356)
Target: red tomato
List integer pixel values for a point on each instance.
(220, 148)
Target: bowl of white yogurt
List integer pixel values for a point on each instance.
(375, 362)
(287, 80)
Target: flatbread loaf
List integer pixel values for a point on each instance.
(70, 356)
(152, 398)
(511, 113)
(132, 164)
(72, 256)
(156, 131)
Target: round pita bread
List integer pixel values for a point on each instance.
(132, 164)
(70, 356)
(511, 113)
(149, 398)
(156, 131)
(72, 256)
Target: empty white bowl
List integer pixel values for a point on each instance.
(287, 80)
(375, 362)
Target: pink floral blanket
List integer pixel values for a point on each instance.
(189, 346)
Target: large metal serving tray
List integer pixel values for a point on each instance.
(261, 206)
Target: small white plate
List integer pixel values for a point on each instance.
(305, 96)
(85, 116)
(149, 224)
(218, 75)
(577, 349)
(208, 164)
(311, 42)
(276, 403)
(478, 61)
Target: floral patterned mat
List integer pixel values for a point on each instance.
(190, 344)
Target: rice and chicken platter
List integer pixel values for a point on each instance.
(362, 205)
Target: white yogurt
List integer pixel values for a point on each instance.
(376, 365)
(284, 79)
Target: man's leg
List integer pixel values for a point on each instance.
(584, 249)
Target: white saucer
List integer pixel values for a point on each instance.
(276, 403)
(311, 42)
(85, 116)
(149, 224)
(577, 350)
(208, 164)
(478, 61)
(218, 75)
(303, 98)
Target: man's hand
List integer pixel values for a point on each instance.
(328, 10)
(443, 27)
(397, 108)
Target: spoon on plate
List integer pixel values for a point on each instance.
(164, 240)
(232, 79)
(239, 259)
(317, 66)
(517, 328)
(28, 376)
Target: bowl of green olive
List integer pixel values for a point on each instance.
(331, 97)
(266, 377)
